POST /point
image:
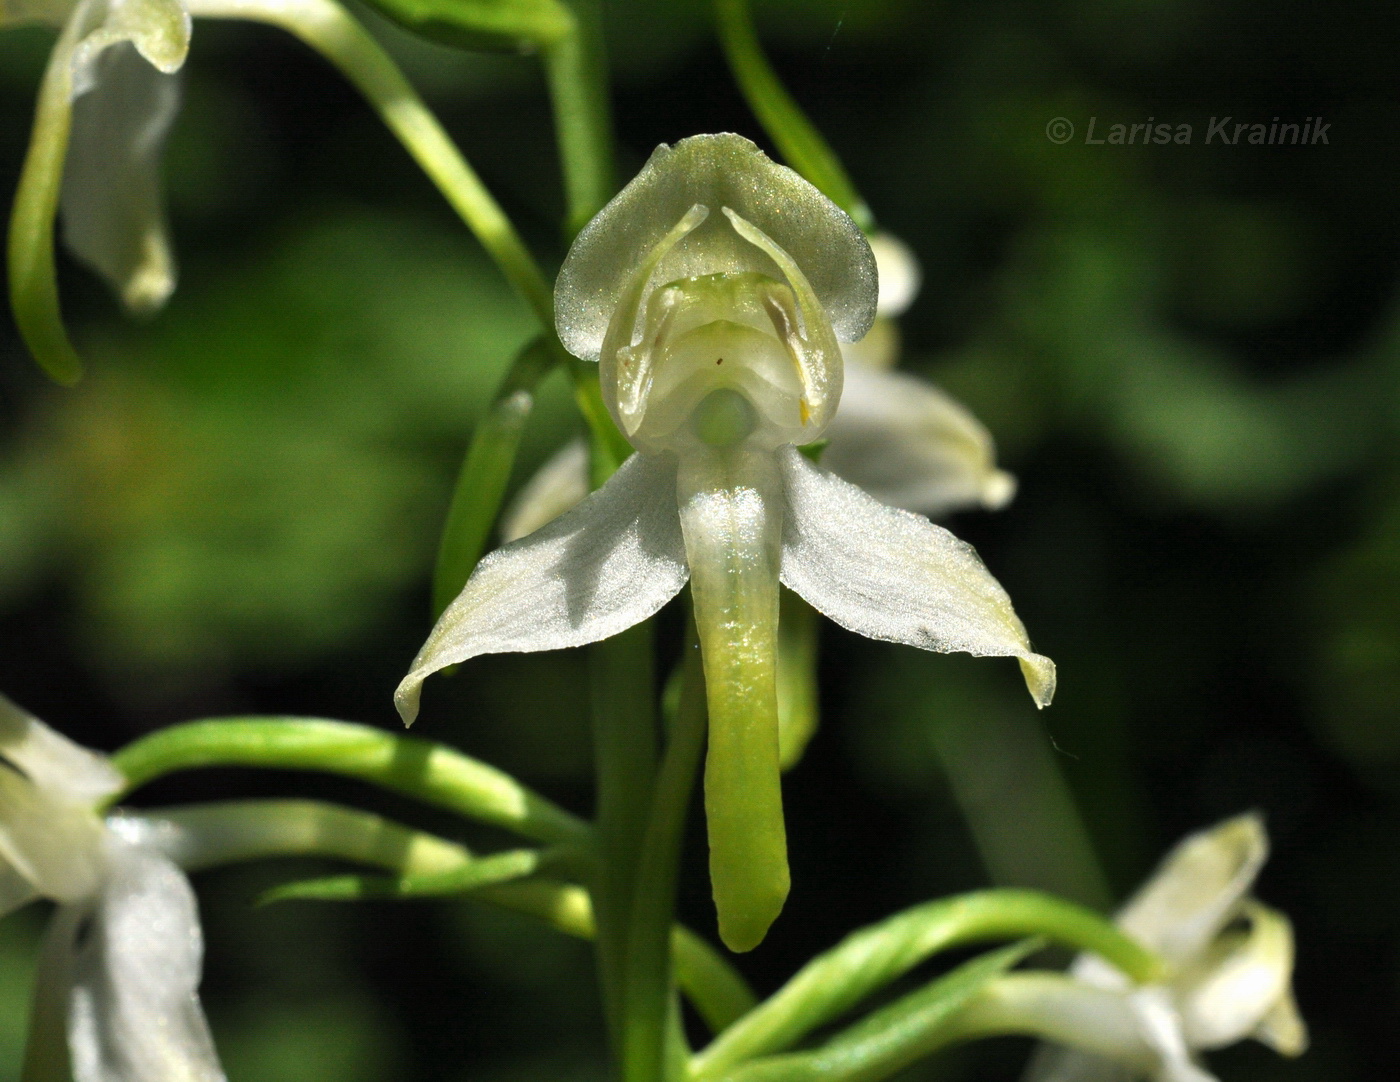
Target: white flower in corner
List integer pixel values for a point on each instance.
(115, 998)
(712, 291)
(1229, 976)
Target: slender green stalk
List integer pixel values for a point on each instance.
(480, 872)
(868, 959)
(430, 772)
(719, 993)
(335, 34)
(33, 276)
(893, 1037)
(782, 118)
(481, 486)
(624, 749)
(648, 969)
(576, 68)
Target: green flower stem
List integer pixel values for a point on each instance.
(33, 277)
(648, 968)
(892, 1038)
(479, 872)
(608, 448)
(481, 485)
(624, 748)
(335, 34)
(233, 831)
(430, 772)
(782, 118)
(872, 957)
(576, 68)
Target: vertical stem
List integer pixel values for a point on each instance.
(576, 68)
(648, 967)
(624, 750)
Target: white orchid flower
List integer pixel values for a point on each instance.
(115, 997)
(896, 436)
(1229, 975)
(712, 291)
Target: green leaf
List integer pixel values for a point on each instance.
(481, 485)
(517, 26)
(486, 871)
(894, 1036)
(782, 118)
(430, 772)
(871, 958)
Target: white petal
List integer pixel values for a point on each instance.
(1197, 888)
(560, 485)
(1283, 1028)
(111, 204)
(713, 171)
(135, 1014)
(1240, 982)
(1162, 1029)
(900, 273)
(68, 772)
(609, 563)
(888, 574)
(49, 834)
(909, 445)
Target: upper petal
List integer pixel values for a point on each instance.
(910, 445)
(713, 171)
(888, 574)
(1197, 888)
(50, 836)
(134, 1014)
(111, 202)
(609, 563)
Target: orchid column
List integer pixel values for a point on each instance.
(713, 291)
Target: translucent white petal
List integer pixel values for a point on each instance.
(111, 205)
(1162, 1030)
(1239, 982)
(67, 772)
(134, 1015)
(609, 563)
(159, 29)
(900, 273)
(1283, 1029)
(558, 486)
(888, 574)
(910, 445)
(1197, 888)
(713, 171)
(49, 834)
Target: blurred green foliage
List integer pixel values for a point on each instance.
(1188, 354)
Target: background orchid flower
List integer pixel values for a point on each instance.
(107, 99)
(115, 996)
(712, 290)
(1229, 971)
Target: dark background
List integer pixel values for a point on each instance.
(1188, 354)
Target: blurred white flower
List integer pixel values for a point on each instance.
(712, 291)
(1229, 975)
(115, 997)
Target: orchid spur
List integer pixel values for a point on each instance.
(712, 291)
(115, 997)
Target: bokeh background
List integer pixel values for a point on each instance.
(1190, 355)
